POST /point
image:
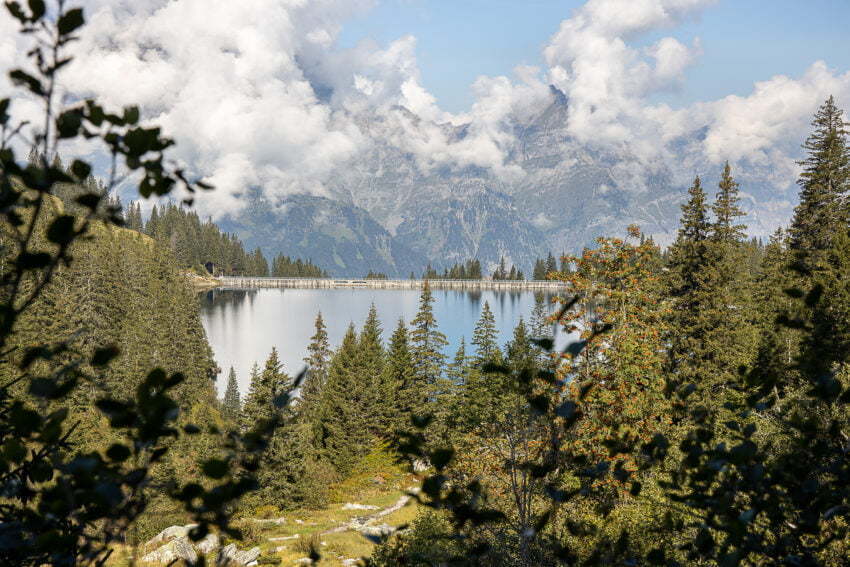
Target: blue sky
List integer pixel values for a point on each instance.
(743, 41)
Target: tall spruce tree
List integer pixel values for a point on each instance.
(426, 341)
(266, 385)
(484, 337)
(718, 335)
(370, 367)
(344, 425)
(317, 361)
(407, 393)
(688, 252)
(824, 182)
(231, 405)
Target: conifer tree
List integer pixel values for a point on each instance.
(484, 338)
(688, 252)
(231, 406)
(539, 272)
(317, 361)
(370, 368)
(458, 370)
(779, 345)
(551, 264)
(825, 180)
(344, 424)
(713, 333)
(266, 385)
(407, 394)
(426, 341)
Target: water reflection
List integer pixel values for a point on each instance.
(243, 325)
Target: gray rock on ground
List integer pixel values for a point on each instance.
(170, 533)
(209, 544)
(350, 506)
(230, 555)
(178, 549)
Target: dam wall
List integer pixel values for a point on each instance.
(242, 282)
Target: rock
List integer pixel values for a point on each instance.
(225, 555)
(178, 549)
(419, 465)
(350, 562)
(230, 555)
(382, 530)
(208, 544)
(169, 534)
(350, 506)
(304, 561)
(285, 538)
(280, 548)
(273, 521)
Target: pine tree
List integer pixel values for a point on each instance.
(317, 361)
(825, 180)
(713, 332)
(458, 370)
(370, 368)
(688, 252)
(828, 346)
(426, 341)
(231, 406)
(344, 426)
(409, 395)
(484, 338)
(265, 387)
(551, 265)
(539, 272)
(726, 209)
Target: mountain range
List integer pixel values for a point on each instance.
(386, 212)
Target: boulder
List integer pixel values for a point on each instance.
(208, 544)
(178, 549)
(382, 530)
(168, 534)
(230, 555)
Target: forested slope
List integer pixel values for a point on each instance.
(124, 290)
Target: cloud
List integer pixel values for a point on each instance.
(258, 93)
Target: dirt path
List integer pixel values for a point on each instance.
(360, 522)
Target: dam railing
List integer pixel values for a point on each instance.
(306, 283)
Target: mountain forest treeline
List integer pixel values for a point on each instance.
(202, 246)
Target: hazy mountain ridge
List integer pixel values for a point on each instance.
(389, 212)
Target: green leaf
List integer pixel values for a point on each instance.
(33, 260)
(89, 200)
(104, 356)
(215, 468)
(80, 169)
(131, 115)
(61, 230)
(69, 122)
(24, 79)
(16, 12)
(4, 110)
(70, 21)
(37, 8)
(118, 453)
(441, 457)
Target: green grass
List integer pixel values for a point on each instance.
(376, 481)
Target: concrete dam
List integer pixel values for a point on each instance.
(242, 282)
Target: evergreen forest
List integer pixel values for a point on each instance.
(698, 415)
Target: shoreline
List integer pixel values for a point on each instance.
(327, 283)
